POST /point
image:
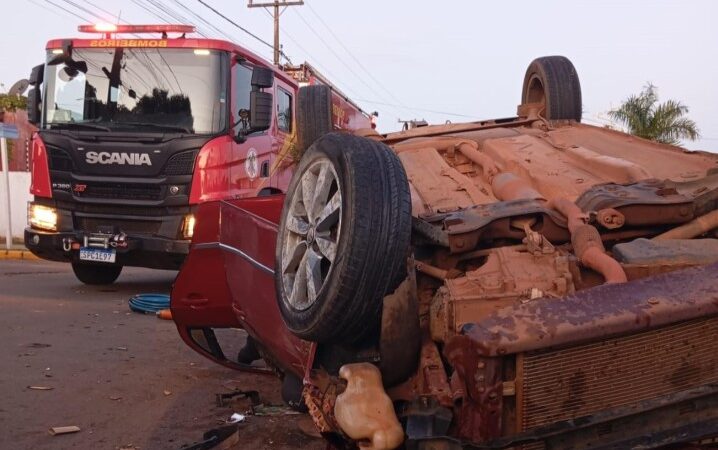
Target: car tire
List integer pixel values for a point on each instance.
(314, 115)
(553, 80)
(334, 266)
(95, 274)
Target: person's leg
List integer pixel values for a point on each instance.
(249, 353)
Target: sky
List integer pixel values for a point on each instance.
(454, 60)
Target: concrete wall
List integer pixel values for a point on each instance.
(19, 196)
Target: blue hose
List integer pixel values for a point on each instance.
(149, 303)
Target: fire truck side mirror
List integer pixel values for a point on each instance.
(262, 78)
(33, 97)
(33, 105)
(260, 103)
(260, 110)
(36, 75)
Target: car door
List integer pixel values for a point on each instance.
(248, 235)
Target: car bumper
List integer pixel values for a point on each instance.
(683, 417)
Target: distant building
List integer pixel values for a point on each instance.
(19, 148)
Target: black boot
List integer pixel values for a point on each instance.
(249, 353)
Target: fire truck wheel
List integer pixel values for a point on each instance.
(343, 238)
(96, 274)
(314, 115)
(553, 81)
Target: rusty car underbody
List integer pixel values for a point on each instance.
(562, 293)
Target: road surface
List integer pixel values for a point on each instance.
(126, 379)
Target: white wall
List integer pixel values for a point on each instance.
(19, 196)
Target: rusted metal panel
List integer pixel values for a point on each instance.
(689, 252)
(479, 416)
(575, 382)
(432, 374)
(509, 274)
(441, 187)
(598, 313)
(438, 130)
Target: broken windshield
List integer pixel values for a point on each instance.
(147, 89)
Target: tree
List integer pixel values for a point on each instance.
(11, 103)
(662, 122)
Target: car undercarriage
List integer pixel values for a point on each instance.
(530, 282)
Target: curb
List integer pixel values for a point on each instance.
(17, 254)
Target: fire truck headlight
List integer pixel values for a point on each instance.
(42, 217)
(188, 226)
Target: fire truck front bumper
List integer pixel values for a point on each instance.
(138, 250)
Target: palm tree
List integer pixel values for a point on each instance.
(661, 122)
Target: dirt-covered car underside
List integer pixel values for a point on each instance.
(530, 282)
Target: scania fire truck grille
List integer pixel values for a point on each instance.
(120, 191)
(575, 382)
(180, 164)
(59, 160)
(93, 225)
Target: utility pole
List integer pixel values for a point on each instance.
(276, 5)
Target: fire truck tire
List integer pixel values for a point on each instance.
(96, 274)
(314, 115)
(335, 263)
(553, 80)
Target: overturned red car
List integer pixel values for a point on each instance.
(528, 282)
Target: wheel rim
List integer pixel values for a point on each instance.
(311, 234)
(535, 92)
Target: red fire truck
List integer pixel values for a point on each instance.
(135, 131)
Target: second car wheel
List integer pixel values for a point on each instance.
(343, 238)
(553, 81)
(314, 115)
(95, 273)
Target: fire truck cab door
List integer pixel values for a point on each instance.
(284, 100)
(251, 159)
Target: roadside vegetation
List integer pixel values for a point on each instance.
(666, 122)
(11, 103)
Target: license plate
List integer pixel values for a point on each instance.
(97, 254)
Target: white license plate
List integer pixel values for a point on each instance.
(97, 254)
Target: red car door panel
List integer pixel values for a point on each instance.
(248, 233)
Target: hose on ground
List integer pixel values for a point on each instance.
(149, 303)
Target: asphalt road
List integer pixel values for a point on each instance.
(126, 379)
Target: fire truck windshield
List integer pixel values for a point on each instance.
(138, 89)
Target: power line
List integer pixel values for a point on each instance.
(45, 7)
(356, 60)
(149, 62)
(412, 108)
(102, 9)
(66, 10)
(314, 62)
(203, 20)
(167, 9)
(341, 60)
(230, 37)
(236, 24)
(275, 17)
(82, 8)
(138, 3)
(161, 12)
